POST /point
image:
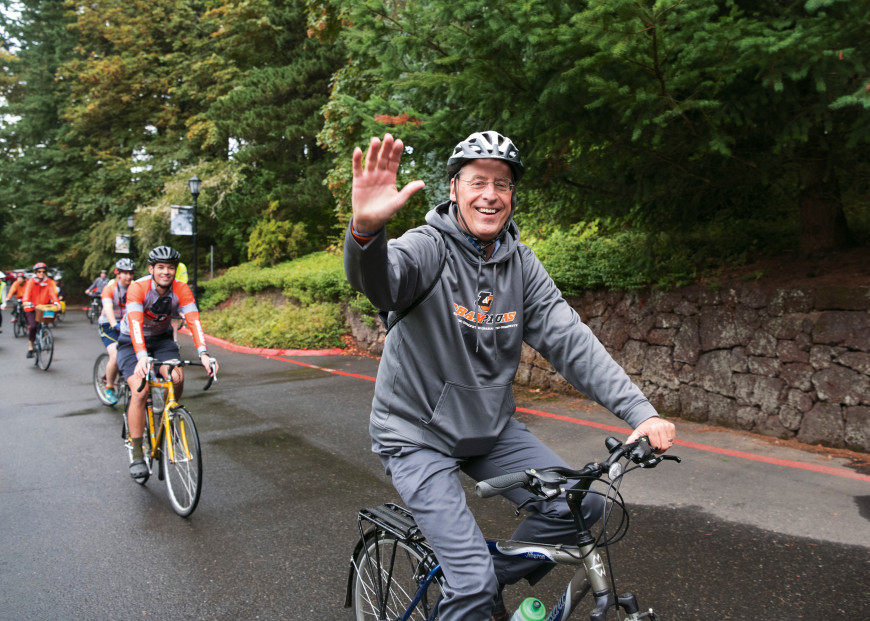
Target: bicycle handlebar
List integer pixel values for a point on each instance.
(179, 363)
(547, 482)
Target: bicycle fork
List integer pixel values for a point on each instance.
(595, 571)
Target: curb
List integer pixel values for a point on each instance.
(262, 351)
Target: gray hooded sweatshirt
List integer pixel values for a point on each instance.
(447, 370)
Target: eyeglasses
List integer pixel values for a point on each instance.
(40, 271)
(478, 185)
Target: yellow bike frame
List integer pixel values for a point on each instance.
(155, 435)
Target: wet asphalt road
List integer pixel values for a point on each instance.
(287, 464)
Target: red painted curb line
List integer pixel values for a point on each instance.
(788, 463)
(272, 353)
(262, 351)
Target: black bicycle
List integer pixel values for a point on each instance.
(19, 319)
(95, 308)
(394, 574)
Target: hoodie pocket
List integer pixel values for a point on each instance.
(468, 420)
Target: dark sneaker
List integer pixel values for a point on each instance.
(138, 469)
(30, 353)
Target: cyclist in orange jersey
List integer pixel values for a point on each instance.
(39, 290)
(146, 331)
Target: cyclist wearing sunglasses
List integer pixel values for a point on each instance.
(443, 399)
(146, 331)
(39, 290)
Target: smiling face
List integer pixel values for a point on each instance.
(163, 274)
(484, 210)
(124, 278)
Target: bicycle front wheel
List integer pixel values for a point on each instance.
(20, 326)
(389, 574)
(182, 467)
(45, 349)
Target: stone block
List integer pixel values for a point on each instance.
(714, 372)
(661, 336)
(791, 351)
(762, 344)
(823, 424)
(846, 328)
(800, 400)
(760, 365)
(687, 342)
(857, 429)
(720, 329)
(856, 360)
(822, 356)
(785, 301)
(788, 326)
(658, 367)
(790, 417)
(748, 417)
(841, 385)
(798, 375)
(631, 357)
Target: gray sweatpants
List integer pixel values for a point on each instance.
(429, 484)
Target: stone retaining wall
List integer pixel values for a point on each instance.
(791, 363)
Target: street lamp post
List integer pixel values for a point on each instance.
(195, 185)
(130, 222)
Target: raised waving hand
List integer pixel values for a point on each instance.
(375, 198)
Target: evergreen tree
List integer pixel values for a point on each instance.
(678, 115)
(36, 166)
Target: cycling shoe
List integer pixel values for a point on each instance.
(138, 469)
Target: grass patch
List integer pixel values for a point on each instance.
(259, 322)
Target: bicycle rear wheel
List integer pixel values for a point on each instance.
(389, 576)
(100, 378)
(183, 468)
(44, 348)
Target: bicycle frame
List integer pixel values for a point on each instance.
(592, 566)
(155, 434)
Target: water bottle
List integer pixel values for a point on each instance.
(157, 400)
(532, 609)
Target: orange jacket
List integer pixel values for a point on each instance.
(16, 290)
(36, 293)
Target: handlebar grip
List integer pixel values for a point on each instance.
(142, 385)
(501, 484)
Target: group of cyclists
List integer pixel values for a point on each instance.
(136, 322)
(38, 290)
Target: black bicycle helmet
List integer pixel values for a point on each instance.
(163, 254)
(486, 145)
(124, 265)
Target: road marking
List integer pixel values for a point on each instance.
(787, 463)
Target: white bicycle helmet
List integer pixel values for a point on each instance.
(486, 145)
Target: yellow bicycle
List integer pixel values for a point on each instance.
(173, 442)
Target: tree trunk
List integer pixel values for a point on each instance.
(823, 225)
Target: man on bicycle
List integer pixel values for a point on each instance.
(443, 399)
(146, 331)
(39, 290)
(114, 298)
(96, 287)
